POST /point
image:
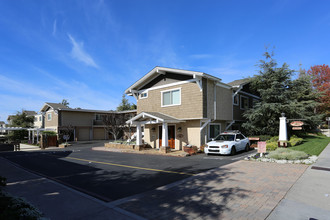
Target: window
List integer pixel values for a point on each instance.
(39, 118)
(36, 119)
(144, 95)
(214, 130)
(235, 99)
(244, 102)
(171, 97)
(49, 116)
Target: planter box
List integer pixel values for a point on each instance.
(190, 149)
(125, 146)
(165, 150)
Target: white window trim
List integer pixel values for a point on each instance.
(237, 104)
(209, 132)
(146, 92)
(242, 107)
(50, 116)
(169, 91)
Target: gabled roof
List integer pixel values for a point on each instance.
(240, 82)
(159, 117)
(54, 106)
(29, 113)
(162, 70)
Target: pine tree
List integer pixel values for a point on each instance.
(124, 105)
(279, 94)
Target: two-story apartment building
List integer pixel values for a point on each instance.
(86, 124)
(179, 107)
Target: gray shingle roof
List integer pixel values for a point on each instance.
(240, 81)
(57, 105)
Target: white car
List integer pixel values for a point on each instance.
(228, 142)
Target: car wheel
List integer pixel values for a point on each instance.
(233, 151)
(247, 147)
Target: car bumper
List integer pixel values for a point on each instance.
(217, 151)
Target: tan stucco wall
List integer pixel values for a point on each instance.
(191, 102)
(53, 122)
(190, 134)
(77, 118)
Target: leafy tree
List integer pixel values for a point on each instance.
(114, 124)
(20, 120)
(65, 102)
(125, 105)
(321, 81)
(279, 93)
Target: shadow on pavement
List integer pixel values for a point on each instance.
(200, 197)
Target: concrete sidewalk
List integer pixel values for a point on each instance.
(309, 198)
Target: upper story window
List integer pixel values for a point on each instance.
(235, 100)
(49, 116)
(244, 102)
(171, 97)
(39, 118)
(35, 118)
(144, 95)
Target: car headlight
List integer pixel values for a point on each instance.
(224, 146)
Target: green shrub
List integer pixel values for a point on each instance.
(272, 139)
(271, 146)
(287, 154)
(264, 137)
(294, 140)
(49, 133)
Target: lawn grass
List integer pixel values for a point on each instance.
(313, 145)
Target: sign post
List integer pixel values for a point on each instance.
(261, 147)
(328, 120)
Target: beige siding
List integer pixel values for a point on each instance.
(191, 102)
(77, 118)
(210, 99)
(189, 134)
(224, 104)
(53, 122)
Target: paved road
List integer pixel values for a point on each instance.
(111, 176)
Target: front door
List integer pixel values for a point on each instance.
(171, 136)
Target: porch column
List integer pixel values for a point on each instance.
(37, 136)
(29, 136)
(33, 137)
(164, 135)
(138, 134)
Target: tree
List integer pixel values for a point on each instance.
(114, 123)
(65, 102)
(125, 105)
(321, 81)
(279, 93)
(20, 120)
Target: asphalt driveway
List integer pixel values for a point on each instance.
(111, 176)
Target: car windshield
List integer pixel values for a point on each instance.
(225, 137)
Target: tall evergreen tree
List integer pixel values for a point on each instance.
(279, 94)
(124, 105)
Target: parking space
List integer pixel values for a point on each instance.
(110, 176)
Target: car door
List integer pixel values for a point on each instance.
(240, 142)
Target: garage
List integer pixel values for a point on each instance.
(83, 134)
(98, 134)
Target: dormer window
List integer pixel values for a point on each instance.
(144, 95)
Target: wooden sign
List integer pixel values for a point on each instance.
(297, 123)
(261, 147)
(296, 128)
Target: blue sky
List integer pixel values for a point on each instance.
(90, 51)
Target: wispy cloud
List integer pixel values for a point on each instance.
(79, 54)
(54, 27)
